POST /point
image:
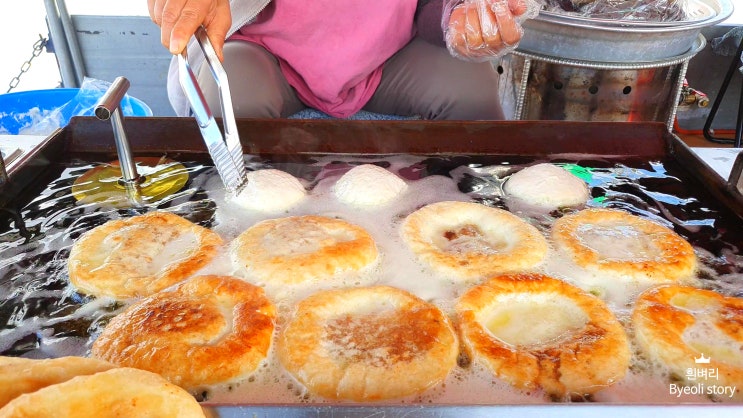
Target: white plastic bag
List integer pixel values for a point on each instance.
(634, 10)
(45, 121)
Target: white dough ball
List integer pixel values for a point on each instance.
(368, 185)
(270, 190)
(547, 186)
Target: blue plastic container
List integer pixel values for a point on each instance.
(53, 108)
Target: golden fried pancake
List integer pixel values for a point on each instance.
(535, 331)
(302, 248)
(616, 247)
(139, 256)
(365, 344)
(469, 240)
(120, 392)
(208, 330)
(675, 325)
(22, 375)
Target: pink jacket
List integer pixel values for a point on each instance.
(427, 18)
(332, 51)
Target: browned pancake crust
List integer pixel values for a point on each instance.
(509, 243)
(675, 262)
(22, 375)
(120, 392)
(276, 250)
(367, 343)
(208, 330)
(113, 259)
(583, 362)
(661, 320)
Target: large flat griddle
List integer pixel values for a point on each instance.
(90, 140)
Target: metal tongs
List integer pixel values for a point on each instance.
(226, 152)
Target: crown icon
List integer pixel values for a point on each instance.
(702, 359)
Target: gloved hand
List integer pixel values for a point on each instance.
(179, 19)
(480, 30)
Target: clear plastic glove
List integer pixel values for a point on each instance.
(179, 19)
(481, 30)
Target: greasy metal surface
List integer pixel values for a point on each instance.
(173, 136)
(179, 138)
(723, 190)
(29, 166)
(106, 185)
(89, 139)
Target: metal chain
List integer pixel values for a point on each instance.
(38, 48)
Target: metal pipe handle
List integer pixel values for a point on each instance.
(108, 107)
(112, 98)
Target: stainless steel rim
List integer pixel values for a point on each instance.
(699, 44)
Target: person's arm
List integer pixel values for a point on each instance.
(179, 19)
